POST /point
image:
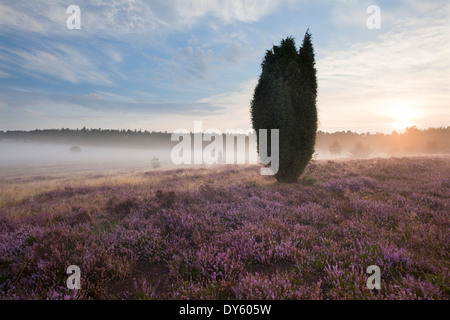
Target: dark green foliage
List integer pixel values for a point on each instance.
(285, 99)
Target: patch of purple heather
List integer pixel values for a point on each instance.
(229, 233)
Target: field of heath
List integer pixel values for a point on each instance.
(226, 232)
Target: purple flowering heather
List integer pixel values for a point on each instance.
(226, 232)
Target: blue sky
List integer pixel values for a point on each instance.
(161, 65)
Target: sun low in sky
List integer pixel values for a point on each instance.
(161, 65)
(401, 124)
(404, 114)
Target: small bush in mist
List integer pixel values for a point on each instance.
(335, 148)
(155, 163)
(75, 149)
(360, 151)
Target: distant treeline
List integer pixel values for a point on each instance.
(345, 143)
(91, 137)
(412, 141)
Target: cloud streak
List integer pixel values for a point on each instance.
(61, 62)
(101, 101)
(402, 67)
(119, 18)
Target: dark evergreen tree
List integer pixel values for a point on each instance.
(285, 99)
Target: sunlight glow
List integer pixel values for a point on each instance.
(403, 115)
(401, 124)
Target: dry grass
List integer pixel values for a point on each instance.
(31, 182)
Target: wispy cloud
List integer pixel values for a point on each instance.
(100, 101)
(143, 25)
(61, 62)
(401, 67)
(233, 107)
(119, 17)
(226, 10)
(39, 16)
(4, 74)
(191, 63)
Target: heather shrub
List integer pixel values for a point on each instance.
(121, 207)
(276, 287)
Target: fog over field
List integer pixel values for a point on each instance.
(74, 157)
(43, 153)
(16, 155)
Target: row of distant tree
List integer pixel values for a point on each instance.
(91, 137)
(345, 143)
(412, 141)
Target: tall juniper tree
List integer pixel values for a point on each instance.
(285, 99)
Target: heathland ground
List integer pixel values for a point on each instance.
(226, 232)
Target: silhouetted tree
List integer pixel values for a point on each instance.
(335, 148)
(360, 151)
(285, 99)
